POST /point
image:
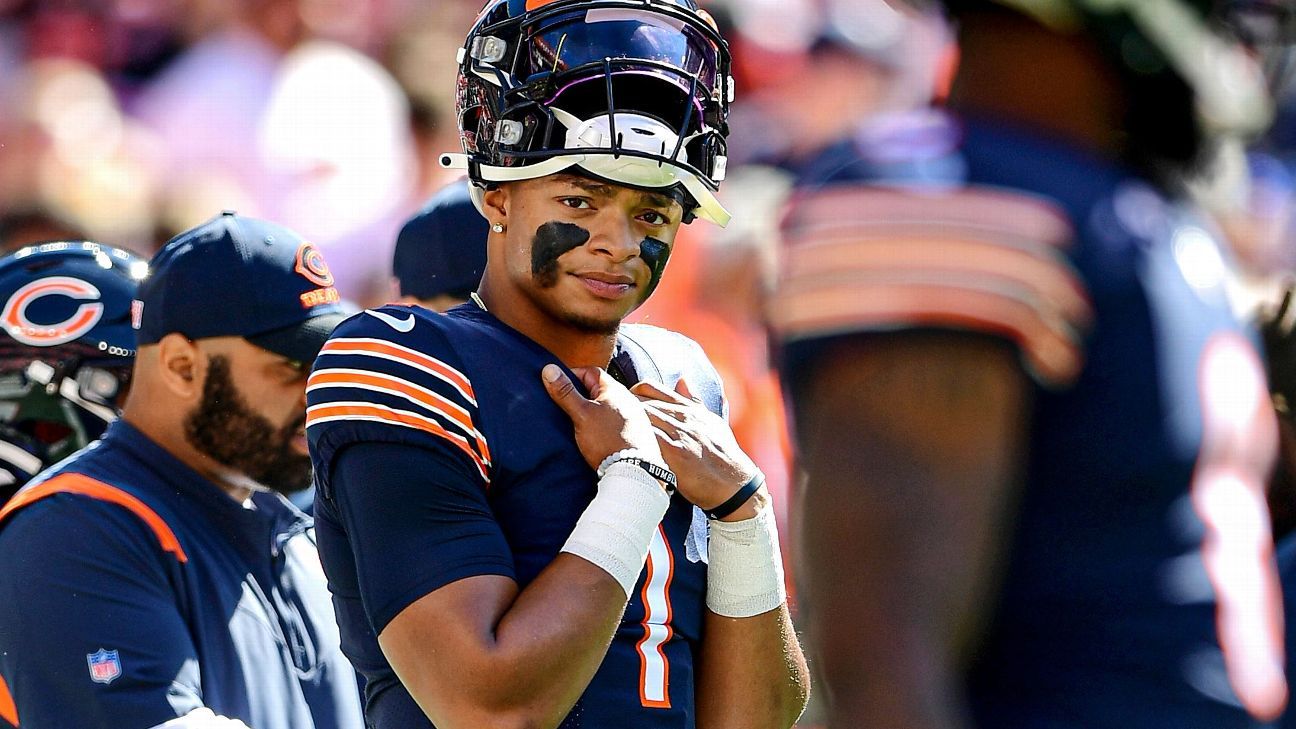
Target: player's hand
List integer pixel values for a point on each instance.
(607, 421)
(700, 447)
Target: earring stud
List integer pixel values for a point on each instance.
(498, 227)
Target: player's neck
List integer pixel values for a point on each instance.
(573, 346)
(1058, 84)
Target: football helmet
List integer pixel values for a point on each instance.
(66, 350)
(634, 92)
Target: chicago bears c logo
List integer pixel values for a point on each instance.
(16, 323)
(311, 264)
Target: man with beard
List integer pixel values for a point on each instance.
(159, 577)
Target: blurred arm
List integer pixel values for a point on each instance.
(912, 445)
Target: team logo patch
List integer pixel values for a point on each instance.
(104, 666)
(311, 264)
(16, 323)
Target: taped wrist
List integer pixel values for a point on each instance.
(745, 567)
(617, 526)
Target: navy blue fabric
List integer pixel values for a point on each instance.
(1107, 617)
(239, 276)
(244, 627)
(378, 484)
(442, 249)
(535, 488)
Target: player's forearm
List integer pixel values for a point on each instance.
(553, 639)
(474, 655)
(529, 655)
(751, 673)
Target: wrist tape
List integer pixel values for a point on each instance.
(745, 568)
(617, 526)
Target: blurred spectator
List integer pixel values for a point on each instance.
(21, 227)
(441, 251)
(813, 70)
(310, 133)
(68, 153)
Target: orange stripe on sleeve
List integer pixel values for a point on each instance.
(76, 483)
(1043, 273)
(1049, 347)
(8, 710)
(996, 213)
(399, 353)
(364, 411)
(428, 399)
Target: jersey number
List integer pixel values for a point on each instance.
(654, 668)
(1228, 495)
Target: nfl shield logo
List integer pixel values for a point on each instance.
(104, 666)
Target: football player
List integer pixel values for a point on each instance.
(513, 538)
(1036, 438)
(65, 351)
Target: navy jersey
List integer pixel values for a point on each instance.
(135, 591)
(1139, 590)
(487, 480)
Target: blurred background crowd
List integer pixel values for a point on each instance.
(127, 121)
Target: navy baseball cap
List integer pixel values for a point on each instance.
(442, 249)
(242, 277)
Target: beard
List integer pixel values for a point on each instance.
(225, 429)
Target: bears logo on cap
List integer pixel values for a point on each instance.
(311, 264)
(16, 323)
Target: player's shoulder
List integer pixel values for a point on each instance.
(662, 344)
(393, 374)
(395, 324)
(66, 505)
(865, 258)
(407, 343)
(666, 357)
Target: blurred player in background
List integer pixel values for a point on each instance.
(65, 351)
(498, 516)
(159, 577)
(441, 251)
(1036, 438)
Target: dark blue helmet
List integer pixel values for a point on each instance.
(636, 92)
(66, 350)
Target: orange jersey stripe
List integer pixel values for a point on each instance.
(322, 413)
(76, 483)
(1050, 347)
(395, 385)
(8, 710)
(403, 354)
(996, 213)
(1049, 277)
